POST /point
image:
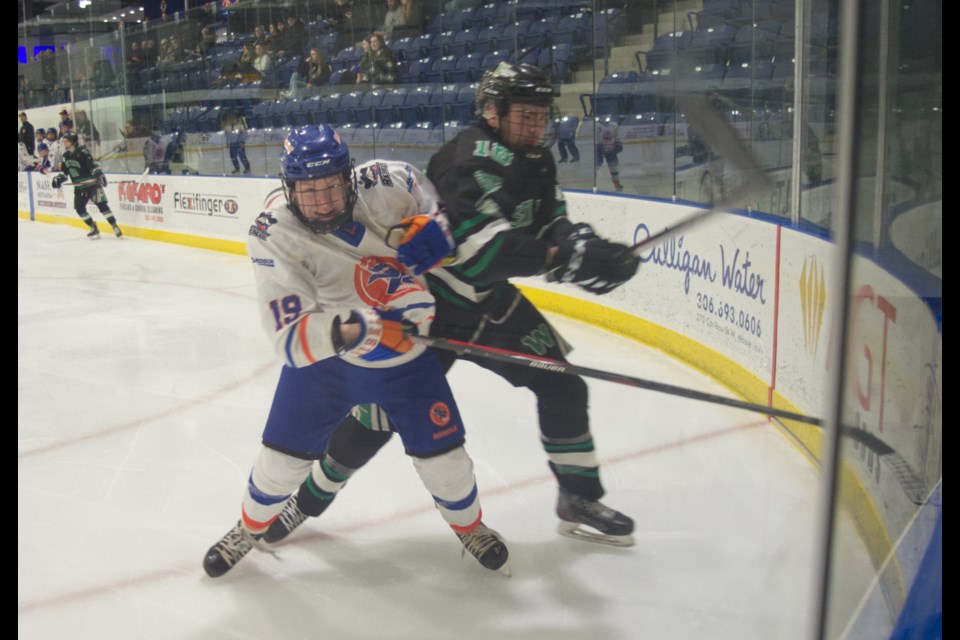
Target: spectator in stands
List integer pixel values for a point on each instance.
(296, 34)
(378, 66)
(259, 35)
(262, 62)
(87, 130)
(48, 68)
(208, 40)
(208, 17)
(27, 133)
(149, 51)
(171, 52)
(314, 71)
(131, 130)
(103, 75)
(402, 18)
(243, 69)
(340, 19)
(134, 54)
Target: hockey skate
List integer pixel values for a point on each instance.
(230, 550)
(117, 232)
(487, 547)
(94, 234)
(592, 521)
(289, 519)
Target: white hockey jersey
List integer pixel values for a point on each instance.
(56, 154)
(305, 280)
(24, 159)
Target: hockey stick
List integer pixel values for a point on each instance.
(722, 140)
(908, 479)
(138, 181)
(557, 366)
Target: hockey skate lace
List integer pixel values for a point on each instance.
(479, 541)
(238, 544)
(292, 517)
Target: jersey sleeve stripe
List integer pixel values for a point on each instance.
(464, 228)
(287, 348)
(485, 261)
(304, 339)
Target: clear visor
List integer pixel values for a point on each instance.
(321, 200)
(529, 126)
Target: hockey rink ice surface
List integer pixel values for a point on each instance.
(144, 379)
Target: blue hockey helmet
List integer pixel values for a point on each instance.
(312, 152)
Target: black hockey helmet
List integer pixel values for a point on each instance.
(509, 83)
(72, 139)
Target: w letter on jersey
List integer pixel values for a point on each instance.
(539, 340)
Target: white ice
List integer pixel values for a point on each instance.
(144, 379)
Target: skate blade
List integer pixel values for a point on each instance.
(578, 531)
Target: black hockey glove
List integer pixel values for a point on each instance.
(565, 231)
(58, 181)
(596, 265)
(102, 179)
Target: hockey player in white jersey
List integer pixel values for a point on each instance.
(56, 149)
(339, 309)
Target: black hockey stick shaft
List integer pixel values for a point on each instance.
(557, 366)
(722, 140)
(909, 480)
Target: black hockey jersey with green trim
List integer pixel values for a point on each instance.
(502, 206)
(81, 167)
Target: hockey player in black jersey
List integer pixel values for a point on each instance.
(509, 219)
(88, 182)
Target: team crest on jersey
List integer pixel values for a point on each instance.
(381, 281)
(373, 173)
(440, 414)
(261, 226)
